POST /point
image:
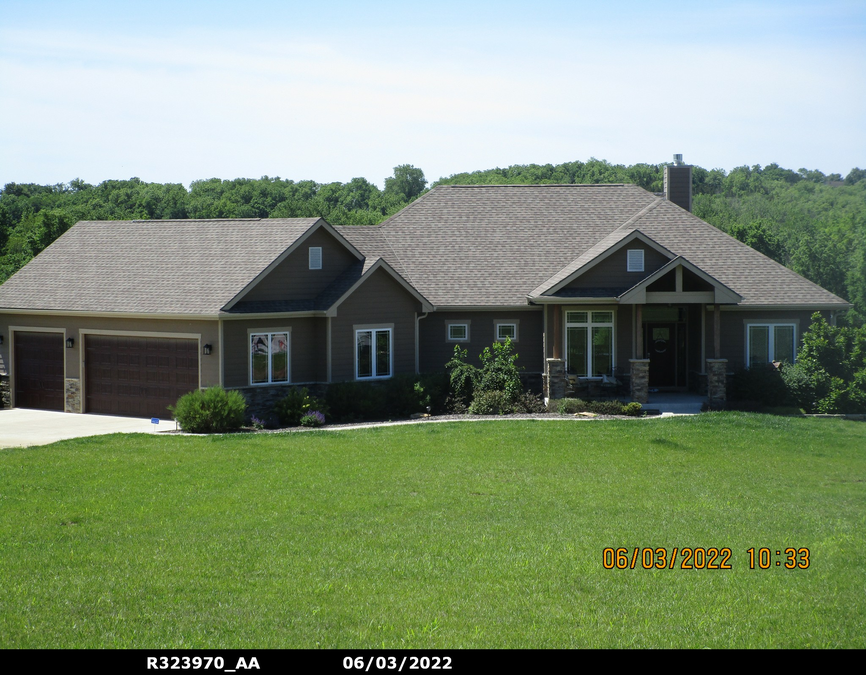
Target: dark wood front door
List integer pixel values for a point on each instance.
(138, 376)
(39, 372)
(665, 346)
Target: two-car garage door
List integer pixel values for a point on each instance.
(138, 376)
(123, 375)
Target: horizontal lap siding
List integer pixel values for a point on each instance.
(436, 349)
(293, 279)
(379, 301)
(733, 330)
(612, 272)
(307, 348)
(76, 326)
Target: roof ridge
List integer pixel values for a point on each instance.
(636, 217)
(529, 185)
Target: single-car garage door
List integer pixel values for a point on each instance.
(39, 370)
(138, 376)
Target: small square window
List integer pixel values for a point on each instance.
(635, 260)
(458, 331)
(315, 257)
(506, 331)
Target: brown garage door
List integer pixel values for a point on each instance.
(39, 371)
(138, 376)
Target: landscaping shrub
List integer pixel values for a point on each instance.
(530, 403)
(833, 361)
(212, 411)
(491, 403)
(399, 396)
(498, 373)
(312, 418)
(762, 384)
(291, 408)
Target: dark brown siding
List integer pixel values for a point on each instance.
(307, 348)
(379, 301)
(733, 331)
(138, 376)
(39, 381)
(293, 279)
(436, 349)
(611, 272)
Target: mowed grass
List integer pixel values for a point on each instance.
(453, 535)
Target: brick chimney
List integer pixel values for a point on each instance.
(678, 183)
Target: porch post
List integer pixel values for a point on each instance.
(557, 332)
(638, 328)
(717, 331)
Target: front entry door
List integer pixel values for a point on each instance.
(664, 344)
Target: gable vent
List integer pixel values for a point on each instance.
(635, 260)
(315, 257)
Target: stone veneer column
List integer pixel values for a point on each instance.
(554, 382)
(5, 392)
(73, 396)
(717, 381)
(639, 379)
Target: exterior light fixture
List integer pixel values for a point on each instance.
(206, 349)
(70, 343)
(1, 339)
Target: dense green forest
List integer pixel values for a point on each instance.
(811, 222)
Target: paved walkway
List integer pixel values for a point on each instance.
(22, 428)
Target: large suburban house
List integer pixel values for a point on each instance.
(590, 282)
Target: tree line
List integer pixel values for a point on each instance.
(808, 221)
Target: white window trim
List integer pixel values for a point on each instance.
(635, 267)
(315, 250)
(270, 333)
(374, 330)
(771, 336)
(514, 323)
(450, 338)
(589, 325)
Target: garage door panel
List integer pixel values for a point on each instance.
(39, 370)
(138, 377)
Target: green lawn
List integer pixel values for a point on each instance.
(450, 535)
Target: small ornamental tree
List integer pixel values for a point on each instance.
(498, 373)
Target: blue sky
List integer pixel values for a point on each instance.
(179, 91)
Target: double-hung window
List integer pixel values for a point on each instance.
(269, 358)
(589, 343)
(373, 353)
(770, 342)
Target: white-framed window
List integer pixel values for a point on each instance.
(269, 357)
(315, 257)
(589, 343)
(506, 331)
(634, 260)
(768, 342)
(374, 353)
(458, 332)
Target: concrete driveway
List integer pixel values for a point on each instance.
(21, 428)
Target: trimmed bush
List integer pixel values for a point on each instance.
(761, 384)
(290, 409)
(313, 418)
(212, 411)
(491, 403)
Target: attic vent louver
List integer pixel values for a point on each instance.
(315, 257)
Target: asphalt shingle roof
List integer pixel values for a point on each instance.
(494, 245)
(156, 266)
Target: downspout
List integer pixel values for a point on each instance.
(417, 343)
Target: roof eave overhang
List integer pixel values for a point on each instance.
(186, 316)
(554, 300)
